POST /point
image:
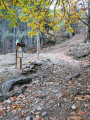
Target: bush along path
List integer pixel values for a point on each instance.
(59, 90)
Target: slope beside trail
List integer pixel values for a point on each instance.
(58, 53)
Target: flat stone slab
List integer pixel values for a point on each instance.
(73, 75)
(13, 93)
(8, 85)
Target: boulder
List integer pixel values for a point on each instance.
(31, 67)
(73, 75)
(13, 93)
(9, 85)
(36, 63)
(80, 50)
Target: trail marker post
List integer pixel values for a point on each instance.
(19, 53)
(16, 51)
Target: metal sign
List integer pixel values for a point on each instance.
(20, 45)
(20, 52)
(17, 41)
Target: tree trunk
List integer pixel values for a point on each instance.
(3, 46)
(14, 41)
(4, 42)
(38, 44)
(25, 27)
(25, 44)
(71, 35)
(41, 38)
(42, 42)
(30, 42)
(35, 41)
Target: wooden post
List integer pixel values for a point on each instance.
(16, 56)
(20, 62)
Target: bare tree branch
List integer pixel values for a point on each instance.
(83, 22)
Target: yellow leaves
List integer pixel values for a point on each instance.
(29, 24)
(33, 33)
(42, 14)
(44, 31)
(50, 24)
(2, 16)
(39, 18)
(23, 19)
(42, 28)
(12, 2)
(15, 107)
(15, 2)
(70, 30)
(33, 25)
(6, 5)
(26, 11)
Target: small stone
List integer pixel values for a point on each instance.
(8, 101)
(28, 118)
(74, 107)
(50, 64)
(68, 77)
(42, 119)
(37, 113)
(39, 108)
(74, 75)
(38, 118)
(44, 113)
(36, 63)
(59, 94)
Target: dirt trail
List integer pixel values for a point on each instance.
(57, 53)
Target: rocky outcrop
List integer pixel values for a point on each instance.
(73, 75)
(31, 67)
(79, 50)
(13, 93)
(9, 85)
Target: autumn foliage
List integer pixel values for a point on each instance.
(37, 12)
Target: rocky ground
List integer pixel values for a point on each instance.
(60, 86)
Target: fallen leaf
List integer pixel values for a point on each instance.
(1, 113)
(65, 93)
(81, 112)
(50, 118)
(82, 97)
(37, 113)
(3, 110)
(17, 107)
(76, 118)
(21, 115)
